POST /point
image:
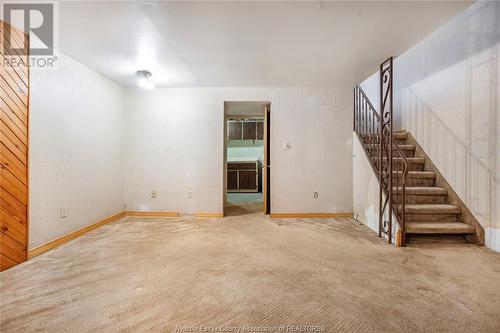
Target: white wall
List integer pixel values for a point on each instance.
(371, 87)
(365, 187)
(76, 150)
(366, 191)
(175, 144)
(447, 93)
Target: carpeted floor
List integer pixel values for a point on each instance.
(254, 274)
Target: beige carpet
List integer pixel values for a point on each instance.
(253, 274)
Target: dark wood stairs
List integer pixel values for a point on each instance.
(429, 210)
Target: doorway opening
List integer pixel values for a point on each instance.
(246, 158)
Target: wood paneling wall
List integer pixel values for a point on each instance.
(14, 109)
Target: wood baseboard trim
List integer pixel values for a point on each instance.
(141, 213)
(312, 215)
(210, 215)
(61, 240)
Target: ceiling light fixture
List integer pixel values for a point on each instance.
(144, 79)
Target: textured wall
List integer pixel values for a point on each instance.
(76, 149)
(365, 187)
(175, 145)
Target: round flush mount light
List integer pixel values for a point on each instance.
(145, 79)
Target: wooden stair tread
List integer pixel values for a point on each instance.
(401, 146)
(432, 209)
(402, 135)
(417, 174)
(438, 228)
(410, 160)
(399, 135)
(407, 147)
(422, 190)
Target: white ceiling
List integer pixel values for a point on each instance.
(259, 43)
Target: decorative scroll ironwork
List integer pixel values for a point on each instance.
(375, 132)
(385, 169)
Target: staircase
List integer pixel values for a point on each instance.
(412, 190)
(427, 208)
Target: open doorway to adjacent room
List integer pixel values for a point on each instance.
(246, 158)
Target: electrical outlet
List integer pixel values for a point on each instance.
(63, 213)
(315, 195)
(190, 195)
(153, 194)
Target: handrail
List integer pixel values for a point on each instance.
(375, 132)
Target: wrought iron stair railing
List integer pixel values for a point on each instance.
(375, 132)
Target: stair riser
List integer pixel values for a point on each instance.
(399, 141)
(432, 217)
(368, 141)
(398, 165)
(406, 153)
(419, 182)
(412, 166)
(437, 232)
(373, 138)
(422, 199)
(435, 238)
